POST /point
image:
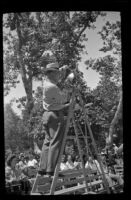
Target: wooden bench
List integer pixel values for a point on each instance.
(71, 183)
(13, 188)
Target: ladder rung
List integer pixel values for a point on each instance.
(72, 189)
(35, 193)
(68, 190)
(46, 188)
(76, 172)
(74, 137)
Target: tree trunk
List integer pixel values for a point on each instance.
(27, 82)
(109, 140)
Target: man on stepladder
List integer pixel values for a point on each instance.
(54, 104)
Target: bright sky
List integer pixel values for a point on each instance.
(93, 45)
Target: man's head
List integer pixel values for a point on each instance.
(12, 160)
(90, 159)
(52, 72)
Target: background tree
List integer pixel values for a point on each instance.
(109, 90)
(27, 37)
(15, 132)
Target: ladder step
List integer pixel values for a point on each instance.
(44, 180)
(74, 173)
(46, 188)
(68, 190)
(72, 189)
(74, 137)
(35, 193)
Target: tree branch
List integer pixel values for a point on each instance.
(114, 121)
(26, 81)
(80, 35)
(19, 53)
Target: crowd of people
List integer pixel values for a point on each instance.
(21, 169)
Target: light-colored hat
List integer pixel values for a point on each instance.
(52, 67)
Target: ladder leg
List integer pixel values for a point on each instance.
(88, 147)
(33, 190)
(99, 160)
(94, 145)
(70, 113)
(85, 143)
(35, 184)
(83, 167)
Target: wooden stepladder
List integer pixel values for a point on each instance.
(53, 182)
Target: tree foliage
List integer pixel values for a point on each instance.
(109, 89)
(28, 40)
(14, 130)
(28, 36)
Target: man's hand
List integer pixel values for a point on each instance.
(63, 71)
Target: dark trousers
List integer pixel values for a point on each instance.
(54, 128)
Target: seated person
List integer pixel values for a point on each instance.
(115, 177)
(32, 162)
(77, 162)
(90, 164)
(109, 175)
(21, 164)
(63, 165)
(70, 163)
(12, 173)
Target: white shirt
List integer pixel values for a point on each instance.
(21, 165)
(78, 164)
(70, 164)
(32, 163)
(63, 166)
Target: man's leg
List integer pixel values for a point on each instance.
(56, 131)
(46, 144)
(44, 158)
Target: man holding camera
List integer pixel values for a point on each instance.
(54, 104)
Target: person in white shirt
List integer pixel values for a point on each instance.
(21, 164)
(70, 163)
(32, 162)
(90, 164)
(77, 162)
(63, 165)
